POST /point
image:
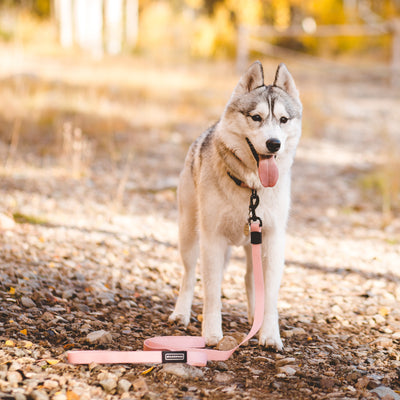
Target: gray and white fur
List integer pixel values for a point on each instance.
(221, 168)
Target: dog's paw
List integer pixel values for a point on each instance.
(271, 342)
(269, 334)
(212, 330)
(182, 319)
(213, 339)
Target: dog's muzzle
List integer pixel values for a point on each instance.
(266, 164)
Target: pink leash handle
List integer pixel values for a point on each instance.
(187, 349)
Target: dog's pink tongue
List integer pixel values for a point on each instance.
(268, 171)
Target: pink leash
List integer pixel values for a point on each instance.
(183, 349)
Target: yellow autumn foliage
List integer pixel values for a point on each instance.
(208, 28)
(200, 31)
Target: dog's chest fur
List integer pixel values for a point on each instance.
(221, 203)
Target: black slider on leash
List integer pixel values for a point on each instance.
(255, 237)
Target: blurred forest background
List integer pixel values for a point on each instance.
(131, 81)
(196, 28)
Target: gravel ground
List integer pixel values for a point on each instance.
(79, 270)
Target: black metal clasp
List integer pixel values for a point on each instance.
(254, 202)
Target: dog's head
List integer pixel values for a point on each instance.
(266, 118)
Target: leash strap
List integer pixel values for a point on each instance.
(183, 349)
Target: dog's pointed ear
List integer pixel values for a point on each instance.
(252, 78)
(284, 80)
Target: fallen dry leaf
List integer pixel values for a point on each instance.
(147, 371)
(52, 361)
(72, 395)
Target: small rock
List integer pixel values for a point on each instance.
(255, 371)
(386, 393)
(262, 359)
(85, 328)
(99, 337)
(123, 386)
(94, 367)
(396, 335)
(50, 384)
(131, 377)
(239, 337)
(39, 395)
(14, 377)
(27, 302)
(355, 375)
(3, 371)
(287, 333)
(327, 383)
(6, 223)
(108, 384)
(377, 377)
(383, 341)
(362, 383)
(151, 396)
(223, 377)
(78, 276)
(83, 307)
(287, 370)
(47, 316)
(20, 396)
(124, 304)
(285, 361)
(106, 298)
(68, 293)
(139, 386)
(336, 395)
(222, 366)
(104, 375)
(336, 310)
(183, 370)
(227, 343)
(298, 331)
(306, 391)
(293, 332)
(379, 319)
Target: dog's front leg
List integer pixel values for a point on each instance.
(212, 257)
(188, 245)
(273, 264)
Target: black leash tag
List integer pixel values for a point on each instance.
(174, 356)
(256, 238)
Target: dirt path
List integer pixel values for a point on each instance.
(99, 253)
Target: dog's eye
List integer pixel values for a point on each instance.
(256, 118)
(283, 120)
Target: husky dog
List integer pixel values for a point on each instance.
(252, 146)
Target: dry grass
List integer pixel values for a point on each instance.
(382, 184)
(66, 111)
(112, 103)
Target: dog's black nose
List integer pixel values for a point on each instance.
(273, 145)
